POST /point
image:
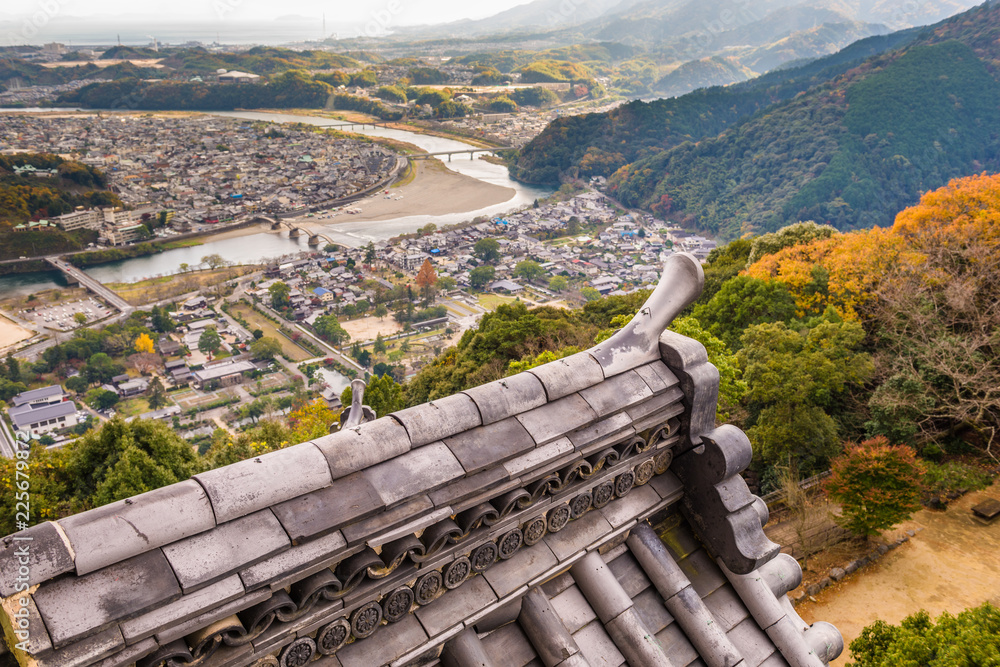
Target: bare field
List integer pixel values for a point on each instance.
(368, 328)
(11, 333)
(952, 562)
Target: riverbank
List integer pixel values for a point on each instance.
(433, 189)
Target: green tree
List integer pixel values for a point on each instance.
(876, 484)
(77, 384)
(382, 394)
(381, 311)
(13, 370)
(446, 283)
(80, 318)
(157, 394)
(123, 459)
(101, 368)
(379, 345)
(370, 253)
(279, 292)
(487, 250)
(161, 320)
(793, 378)
(743, 302)
(102, 399)
(971, 639)
(265, 348)
(209, 342)
(529, 270)
(329, 329)
(481, 276)
(590, 294)
(732, 388)
(257, 334)
(558, 283)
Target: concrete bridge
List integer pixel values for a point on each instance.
(472, 152)
(75, 275)
(351, 125)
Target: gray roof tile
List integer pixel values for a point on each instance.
(86, 652)
(312, 515)
(577, 535)
(473, 489)
(238, 544)
(751, 642)
(126, 528)
(507, 576)
(551, 639)
(629, 574)
(386, 645)
(316, 552)
(211, 616)
(430, 422)
(726, 607)
(247, 486)
(571, 374)
(185, 608)
(597, 646)
(130, 654)
(650, 607)
(702, 572)
(418, 471)
(599, 587)
(485, 446)
(676, 644)
(508, 397)
(554, 419)
(622, 510)
(472, 596)
(77, 607)
(366, 529)
(362, 446)
(657, 409)
(616, 393)
(657, 376)
(509, 646)
(572, 608)
(537, 458)
(601, 434)
(47, 554)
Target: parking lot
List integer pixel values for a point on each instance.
(62, 316)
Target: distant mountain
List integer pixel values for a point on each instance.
(713, 71)
(536, 16)
(843, 141)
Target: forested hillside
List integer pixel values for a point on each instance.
(859, 145)
(639, 129)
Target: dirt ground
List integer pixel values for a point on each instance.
(11, 333)
(368, 328)
(952, 562)
(289, 349)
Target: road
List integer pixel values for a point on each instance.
(92, 284)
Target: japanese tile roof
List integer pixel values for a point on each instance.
(509, 524)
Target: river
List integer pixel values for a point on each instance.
(264, 246)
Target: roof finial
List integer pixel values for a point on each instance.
(356, 413)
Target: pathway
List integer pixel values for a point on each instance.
(950, 563)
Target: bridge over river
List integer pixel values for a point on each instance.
(75, 275)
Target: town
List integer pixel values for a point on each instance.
(222, 354)
(198, 171)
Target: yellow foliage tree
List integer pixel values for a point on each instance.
(966, 210)
(144, 344)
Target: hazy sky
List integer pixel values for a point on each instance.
(396, 12)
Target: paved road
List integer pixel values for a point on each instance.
(93, 285)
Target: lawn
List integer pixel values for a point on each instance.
(257, 321)
(133, 407)
(491, 301)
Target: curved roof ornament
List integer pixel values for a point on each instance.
(637, 342)
(356, 413)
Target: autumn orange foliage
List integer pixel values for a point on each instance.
(966, 210)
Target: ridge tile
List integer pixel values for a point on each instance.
(203, 559)
(125, 528)
(250, 485)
